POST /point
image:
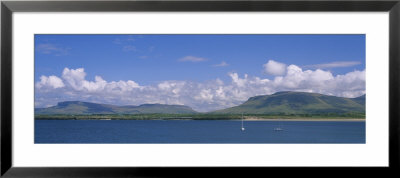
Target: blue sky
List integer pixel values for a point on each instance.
(149, 60)
(152, 58)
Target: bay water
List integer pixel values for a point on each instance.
(197, 131)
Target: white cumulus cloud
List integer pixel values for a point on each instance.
(274, 68)
(50, 81)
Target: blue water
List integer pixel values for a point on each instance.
(192, 131)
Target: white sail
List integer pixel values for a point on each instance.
(279, 128)
(242, 123)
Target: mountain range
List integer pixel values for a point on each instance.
(297, 103)
(78, 107)
(279, 103)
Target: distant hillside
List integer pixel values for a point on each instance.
(78, 107)
(360, 100)
(297, 103)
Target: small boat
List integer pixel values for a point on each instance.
(278, 128)
(242, 123)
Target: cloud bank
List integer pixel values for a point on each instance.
(201, 96)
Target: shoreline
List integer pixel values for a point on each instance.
(304, 119)
(251, 119)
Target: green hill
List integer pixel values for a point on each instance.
(78, 107)
(284, 103)
(360, 100)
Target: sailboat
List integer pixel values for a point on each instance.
(278, 128)
(242, 123)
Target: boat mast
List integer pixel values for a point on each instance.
(242, 120)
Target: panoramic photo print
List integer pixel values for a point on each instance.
(199, 88)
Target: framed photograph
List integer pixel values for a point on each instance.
(142, 88)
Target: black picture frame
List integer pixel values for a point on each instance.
(8, 7)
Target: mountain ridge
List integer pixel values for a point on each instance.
(279, 103)
(289, 102)
(81, 107)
